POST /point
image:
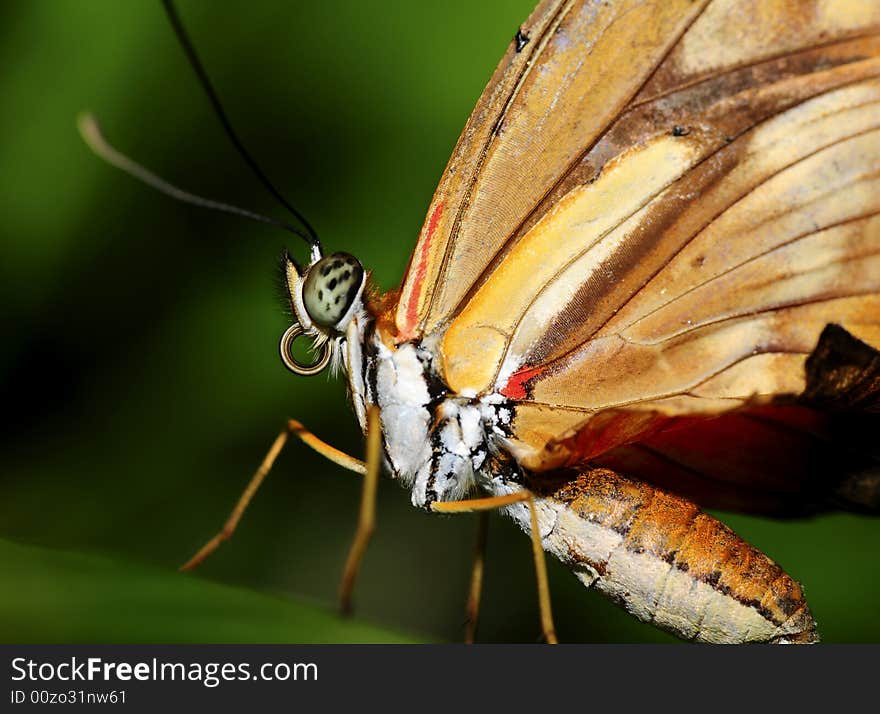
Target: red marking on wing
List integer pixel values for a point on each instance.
(614, 428)
(516, 385)
(768, 459)
(421, 269)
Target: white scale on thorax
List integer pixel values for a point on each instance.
(435, 446)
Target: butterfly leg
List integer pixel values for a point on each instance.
(297, 429)
(367, 514)
(472, 609)
(476, 505)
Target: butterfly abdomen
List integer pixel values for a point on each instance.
(670, 564)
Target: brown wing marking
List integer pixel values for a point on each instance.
(741, 33)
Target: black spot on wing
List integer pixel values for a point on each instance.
(843, 373)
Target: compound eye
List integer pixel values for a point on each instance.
(331, 287)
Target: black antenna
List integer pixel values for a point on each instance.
(91, 134)
(196, 64)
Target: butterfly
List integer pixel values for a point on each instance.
(648, 283)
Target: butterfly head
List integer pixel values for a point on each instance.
(324, 297)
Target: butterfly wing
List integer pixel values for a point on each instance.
(649, 220)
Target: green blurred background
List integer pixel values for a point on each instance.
(141, 382)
